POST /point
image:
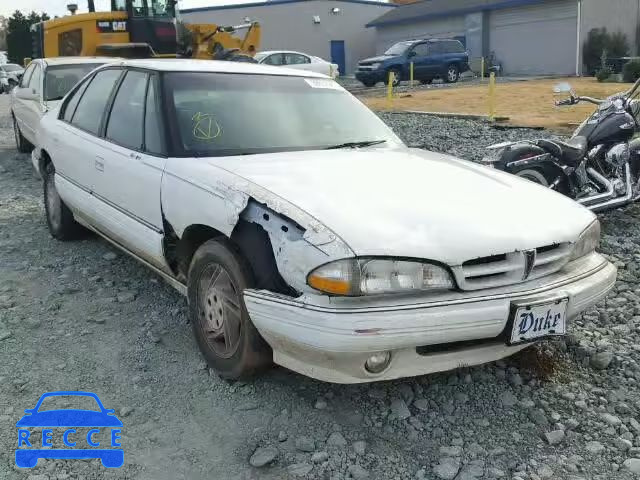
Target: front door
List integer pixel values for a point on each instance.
(338, 56)
(422, 64)
(130, 174)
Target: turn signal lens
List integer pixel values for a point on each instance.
(336, 278)
(375, 276)
(588, 241)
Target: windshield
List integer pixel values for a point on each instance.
(218, 114)
(59, 79)
(66, 402)
(11, 67)
(399, 48)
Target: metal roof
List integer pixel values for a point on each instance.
(280, 2)
(433, 9)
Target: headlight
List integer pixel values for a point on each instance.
(374, 276)
(588, 241)
(374, 66)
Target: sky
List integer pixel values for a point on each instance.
(59, 7)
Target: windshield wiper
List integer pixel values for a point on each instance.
(364, 143)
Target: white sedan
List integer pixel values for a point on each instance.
(298, 61)
(43, 84)
(303, 231)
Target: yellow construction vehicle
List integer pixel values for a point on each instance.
(140, 29)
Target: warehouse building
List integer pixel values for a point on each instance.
(331, 29)
(528, 36)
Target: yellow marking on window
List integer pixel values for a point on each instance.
(205, 127)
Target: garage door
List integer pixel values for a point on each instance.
(538, 39)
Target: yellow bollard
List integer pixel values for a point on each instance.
(26, 61)
(411, 75)
(331, 70)
(482, 68)
(392, 78)
(492, 96)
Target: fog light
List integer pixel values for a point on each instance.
(378, 362)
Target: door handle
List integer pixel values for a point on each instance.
(135, 156)
(99, 164)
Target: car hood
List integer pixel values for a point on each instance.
(415, 203)
(69, 418)
(381, 58)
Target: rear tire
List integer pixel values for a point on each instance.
(544, 176)
(227, 338)
(453, 74)
(60, 221)
(22, 144)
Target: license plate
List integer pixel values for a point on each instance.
(539, 320)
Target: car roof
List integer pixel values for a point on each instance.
(76, 60)
(215, 66)
(269, 52)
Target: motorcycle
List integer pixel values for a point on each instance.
(599, 166)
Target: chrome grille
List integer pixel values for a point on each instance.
(513, 267)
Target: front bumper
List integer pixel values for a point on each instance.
(331, 338)
(370, 76)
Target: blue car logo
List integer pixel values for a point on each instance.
(72, 430)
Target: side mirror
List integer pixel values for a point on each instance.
(563, 87)
(26, 94)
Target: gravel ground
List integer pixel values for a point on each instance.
(80, 316)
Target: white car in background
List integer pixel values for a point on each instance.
(302, 229)
(298, 61)
(43, 84)
(10, 75)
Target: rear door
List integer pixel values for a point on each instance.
(133, 158)
(76, 144)
(31, 110)
(18, 105)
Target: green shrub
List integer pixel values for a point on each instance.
(600, 42)
(631, 71)
(603, 74)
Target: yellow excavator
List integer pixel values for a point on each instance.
(141, 29)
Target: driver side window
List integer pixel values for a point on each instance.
(275, 59)
(26, 77)
(35, 83)
(421, 50)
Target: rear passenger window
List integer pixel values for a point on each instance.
(436, 48)
(93, 103)
(125, 120)
(152, 127)
(72, 103)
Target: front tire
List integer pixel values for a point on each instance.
(368, 83)
(397, 76)
(227, 338)
(22, 144)
(60, 221)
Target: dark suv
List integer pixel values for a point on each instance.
(434, 58)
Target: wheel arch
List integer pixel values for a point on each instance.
(249, 239)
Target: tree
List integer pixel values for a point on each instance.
(600, 42)
(19, 34)
(3, 33)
